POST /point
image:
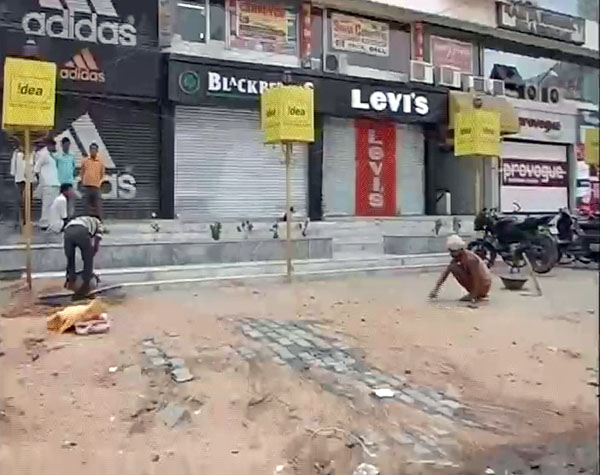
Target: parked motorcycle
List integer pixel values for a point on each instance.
(511, 239)
(577, 241)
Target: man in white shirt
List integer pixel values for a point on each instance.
(18, 168)
(45, 167)
(59, 215)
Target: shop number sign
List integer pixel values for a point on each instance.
(359, 35)
(477, 133)
(287, 114)
(29, 94)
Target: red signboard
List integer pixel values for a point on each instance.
(452, 53)
(375, 168)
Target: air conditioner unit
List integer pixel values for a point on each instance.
(531, 92)
(421, 71)
(551, 95)
(449, 77)
(336, 63)
(474, 83)
(495, 87)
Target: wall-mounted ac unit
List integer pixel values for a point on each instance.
(531, 92)
(495, 87)
(449, 77)
(336, 63)
(551, 95)
(421, 71)
(474, 83)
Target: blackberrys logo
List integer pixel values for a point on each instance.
(82, 67)
(94, 21)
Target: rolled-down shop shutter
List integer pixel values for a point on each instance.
(127, 135)
(224, 171)
(532, 187)
(339, 167)
(410, 169)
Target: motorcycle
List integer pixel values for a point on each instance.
(577, 241)
(512, 239)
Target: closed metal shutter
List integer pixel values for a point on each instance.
(224, 171)
(339, 167)
(410, 169)
(127, 135)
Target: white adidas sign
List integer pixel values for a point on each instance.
(82, 21)
(83, 67)
(82, 133)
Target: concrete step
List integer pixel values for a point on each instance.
(357, 247)
(318, 268)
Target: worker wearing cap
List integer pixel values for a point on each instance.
(468, 269)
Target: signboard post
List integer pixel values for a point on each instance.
(287, 116)
(28, 105)
(477, 134)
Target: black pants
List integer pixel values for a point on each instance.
(77, 236)
(93, 200)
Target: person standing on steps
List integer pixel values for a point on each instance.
(45, 169)
(59, 214)
(92, 173)
(65, 164)
(469, 271)
(18, 170)
(83, 233)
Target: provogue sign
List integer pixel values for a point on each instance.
(527, 18)
(545, 126)
(93, 21)
(519, 172)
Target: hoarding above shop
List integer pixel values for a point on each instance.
(359, 35)
(127, 23)
(94, 69)
(556, 126)
(229, 86)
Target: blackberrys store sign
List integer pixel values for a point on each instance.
(128, 23)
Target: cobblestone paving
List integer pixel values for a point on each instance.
(301, 346)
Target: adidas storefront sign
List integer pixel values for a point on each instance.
(82, 75)
(82, 67)
(82, 27)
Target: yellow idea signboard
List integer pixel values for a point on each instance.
(591, 146)
(287, 114)
(477, 133)
(29, 94)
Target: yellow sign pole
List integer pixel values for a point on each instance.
(28, 225)
(288, 206)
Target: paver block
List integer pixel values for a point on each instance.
(305, 356)
(405, 398)
(181, 375)
(173, 415)
(176, 363)
(302, 343)
(152, 352)
(253, 334)
(282, 351)
(158, 361)
(451, 404)
(421, 450)
(284, 341)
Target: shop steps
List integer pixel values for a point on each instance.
(276, 270)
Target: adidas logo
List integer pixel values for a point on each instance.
(82, 133)
(80, 21)
(82, 67)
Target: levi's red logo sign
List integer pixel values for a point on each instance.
(375, 168)
(82, 67)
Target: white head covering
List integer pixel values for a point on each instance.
(455, 243)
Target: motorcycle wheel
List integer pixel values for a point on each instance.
(485, 250)
(542, 253)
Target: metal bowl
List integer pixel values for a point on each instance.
(513, 283)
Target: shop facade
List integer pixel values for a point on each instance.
(368, 158)
(538, 165)
(109, 69)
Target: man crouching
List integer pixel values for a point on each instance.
(468, 269)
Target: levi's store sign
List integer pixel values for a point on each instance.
(93, 21)
(398, 103)
(375, 168)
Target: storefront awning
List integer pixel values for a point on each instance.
(463, 102)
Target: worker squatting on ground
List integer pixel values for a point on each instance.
(468, 269)
(83, 233)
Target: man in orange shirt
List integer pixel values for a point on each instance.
(92, 174)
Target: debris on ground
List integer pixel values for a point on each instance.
(93, 327)
(67, 318)
(366, 469)
(181, 375)
(383, 393)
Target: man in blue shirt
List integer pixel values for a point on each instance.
(65, 163)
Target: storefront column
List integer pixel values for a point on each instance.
(315, 173)
(167, 163)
